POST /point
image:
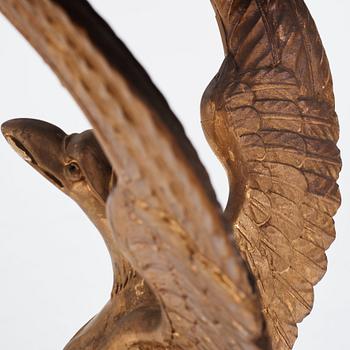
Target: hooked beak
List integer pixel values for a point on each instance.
(39, 143)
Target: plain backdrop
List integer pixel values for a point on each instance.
(55, 272)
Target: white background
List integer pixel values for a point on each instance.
(55, 273)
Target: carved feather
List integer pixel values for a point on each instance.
(164, 213)
(269, 116)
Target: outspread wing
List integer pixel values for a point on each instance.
(164, 212)
(269, 116)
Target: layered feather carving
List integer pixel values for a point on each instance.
(165, 218)
(269, 116)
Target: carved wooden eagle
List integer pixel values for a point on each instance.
(193, 276)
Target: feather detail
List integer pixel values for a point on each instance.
(274, 96)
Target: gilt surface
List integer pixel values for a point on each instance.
(269, 116)
(164, 213)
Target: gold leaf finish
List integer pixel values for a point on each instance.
(180, 280)
(163, 212)
(269, 117)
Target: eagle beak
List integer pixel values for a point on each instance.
(40, 144)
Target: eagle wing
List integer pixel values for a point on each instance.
(269, 116)
(164, 212)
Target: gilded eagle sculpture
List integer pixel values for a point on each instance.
(187, 274)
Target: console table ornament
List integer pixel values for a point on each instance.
(182, 280)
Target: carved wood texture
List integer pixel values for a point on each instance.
(164, 211)
(269, 116)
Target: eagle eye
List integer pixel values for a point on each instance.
(73, 171)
